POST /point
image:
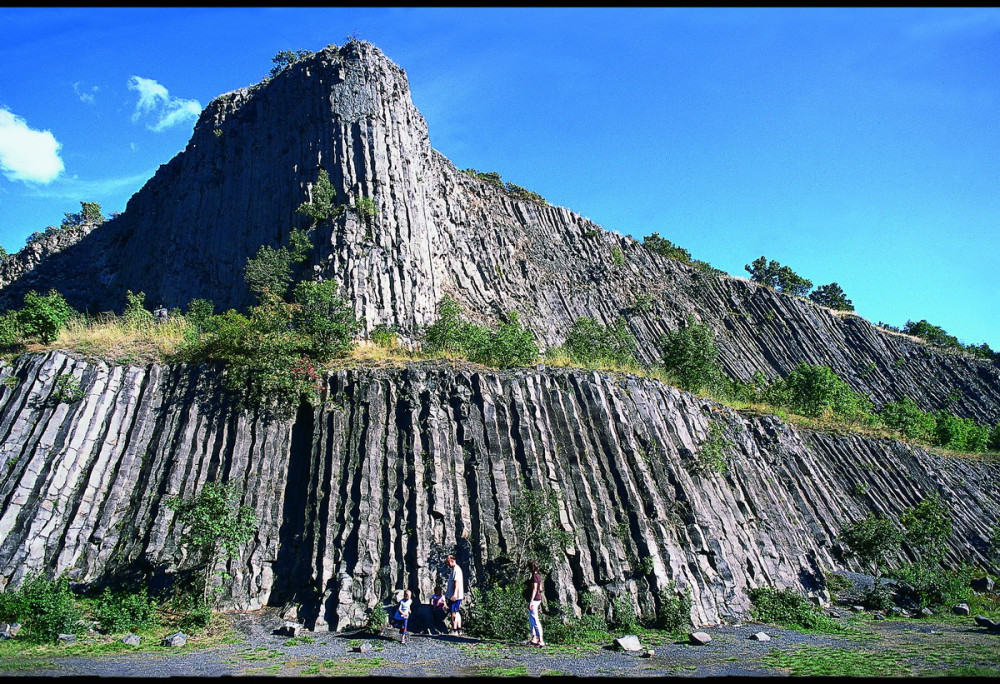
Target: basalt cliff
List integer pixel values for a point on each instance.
(365, 492)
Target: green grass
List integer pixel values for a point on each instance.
(351, 666)
(518, 670)
(821, 661)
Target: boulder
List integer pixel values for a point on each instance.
(960, 609)
(984, 585)
(364, 647)
(760, 636)
(14, 628)
(131, 640)
(629, 642)
(698, 638)
(926, 612)
(289, 629)
(66, 638)
(987, 623)
(174, 640)
(649, 653)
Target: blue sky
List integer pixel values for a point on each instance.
(860, 146)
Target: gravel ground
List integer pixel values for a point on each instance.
(259, 652)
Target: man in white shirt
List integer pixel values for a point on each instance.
(455, 591)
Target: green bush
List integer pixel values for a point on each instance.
(690, 356)
(815, 390)
(385, 336)
(906, 418)
(624, 619)
(125, 611)
(928, 527)
(832, 296)
(213, 525)
(43, 316)
(929, 586)
(562, 628)
(366, 208)
(286, 58)
(136, 314)
(325, 320)
(449, 333)
(960, 434)
(197, 614)
(44, 607)
(873, 540)
(376, 620)
(673, 608)
(499, 612)
(269, 273)
(711, 454)
(788, 609)
(68, 390)
(509, 345)
(781, 278)
(654, 243)
(589, 343)
(11, 334)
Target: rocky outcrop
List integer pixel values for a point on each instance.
(367, 492)
(41, 247)
(255, 154)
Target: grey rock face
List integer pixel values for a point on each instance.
(371, 490)
(255, 154)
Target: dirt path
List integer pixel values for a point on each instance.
(901, 648)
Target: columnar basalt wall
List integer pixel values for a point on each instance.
(367, 492)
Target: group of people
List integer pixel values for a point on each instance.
(447, 603)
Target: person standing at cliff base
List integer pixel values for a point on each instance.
(455, 592)
(533, 594)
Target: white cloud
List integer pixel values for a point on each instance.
(26, 154)
(155, 101)
(83, 93)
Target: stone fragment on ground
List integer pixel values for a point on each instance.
(289, 629)
(174, 640)
(66, 638)
(760, 636)
(131, 640)
(364, 647)
(629, 642)
(699, 638)
(960, 609)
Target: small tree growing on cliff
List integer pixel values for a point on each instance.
(286, 58)
(873, 540)
(215, 525)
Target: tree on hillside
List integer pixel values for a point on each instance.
(287, 58)
(90, 213)
(781, 278)
(932, 333)
(832, 296)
